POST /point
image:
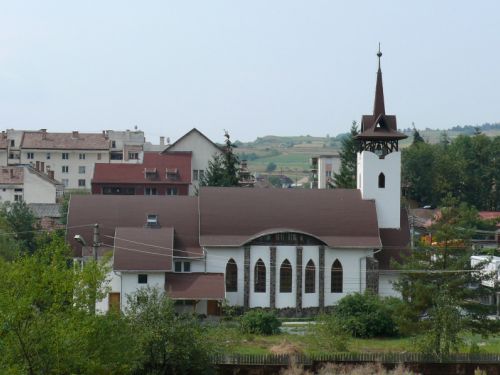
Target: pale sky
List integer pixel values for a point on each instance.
(255, 68)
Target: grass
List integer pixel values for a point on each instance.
(232, 341)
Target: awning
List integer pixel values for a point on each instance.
(195, 286)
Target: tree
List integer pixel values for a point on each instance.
(45, 323)
(223, 168)
(436, 284)
(22, 223)
(417, 138)
(169, 343)
(346, 178)
(271, 167)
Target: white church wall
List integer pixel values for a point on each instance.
(256, 253)
(217, 259)
(130, 285)
(351, 260)
(308, 253)
(387, 199)
(286, 299)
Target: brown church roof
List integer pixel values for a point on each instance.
(113, 211)
(195, 286)
(339, 218)
(143, 249)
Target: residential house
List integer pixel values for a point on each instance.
(25, 183)
(126, 146)
(168, 173)
(202, 149)
(323, 169)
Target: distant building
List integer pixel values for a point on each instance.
(324, 167)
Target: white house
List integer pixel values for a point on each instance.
(202, 149)
(25, 183)
(325, 166)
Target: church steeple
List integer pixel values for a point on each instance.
(379, 105)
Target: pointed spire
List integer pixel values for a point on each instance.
(379, 106)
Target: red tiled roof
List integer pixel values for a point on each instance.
(488, 215)
(112, 211)
(235, 216)
(64, 141)
(195, 286)
(153, 161)
(143, 249)
(11, 175)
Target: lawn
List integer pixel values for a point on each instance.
(232, 341)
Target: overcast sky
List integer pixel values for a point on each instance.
(255, 68)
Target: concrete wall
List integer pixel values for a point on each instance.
(385, 285)
(37, 189)
(387, 200)
(129, 284)
(327, 165)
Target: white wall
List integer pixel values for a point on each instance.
(113, 283)
(37, 189)
(202, 152)
(327, 163)
(310, 253)
(387, 200)
(129, 284)
(385, 285)
(217, 259)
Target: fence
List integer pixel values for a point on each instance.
(284, 359)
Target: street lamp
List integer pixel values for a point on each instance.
(95, 244)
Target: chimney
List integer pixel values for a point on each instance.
(44, 133)
(4, 135)
(37, 167)
(42, 167)
(75, 134)
(51, 174)
(162, 141)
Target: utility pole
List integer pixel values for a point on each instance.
(95, 242)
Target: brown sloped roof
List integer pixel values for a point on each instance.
(386, 130)
(395, 243)
(112, 211)
(195, 286)
(143, 249)
(64, 141)
(339, 218)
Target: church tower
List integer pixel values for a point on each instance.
(379, 159)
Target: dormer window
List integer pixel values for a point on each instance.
(152, 220)
(150, 173)
(172, 173)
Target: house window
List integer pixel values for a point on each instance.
(286, 277)
(81, 183)
(187, 266)
(195, 175)
(65, 156)
(133, 155)
(337, 277)
(310, 282)
(260, 277)
(231, 276)
(48, 155)
(142, 279)
(81, 169)
(30, 155)
(381, 181)
(65, 182)
(81, 156)
(12, 143)
(172, 191)
(116, 156)
(178, 266)
(328, 173)
(150, 191)
(201, 174)
(99, 156)
(113, 144)
(65, 169)
(152, 220)
(18, 198)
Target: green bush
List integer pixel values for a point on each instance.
(368, 315)
(329, 334)
(260, 322)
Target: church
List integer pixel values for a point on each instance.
(271, 248)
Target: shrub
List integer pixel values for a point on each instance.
(367, 315)
(329, 334)
(260, 322)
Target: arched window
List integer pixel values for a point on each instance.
(310, 284)
(231, 276)
(337, 277)
(381, 180)
(286, 277)
(260, 277)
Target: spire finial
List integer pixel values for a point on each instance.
(379, 54)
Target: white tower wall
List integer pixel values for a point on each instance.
(387, 199)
